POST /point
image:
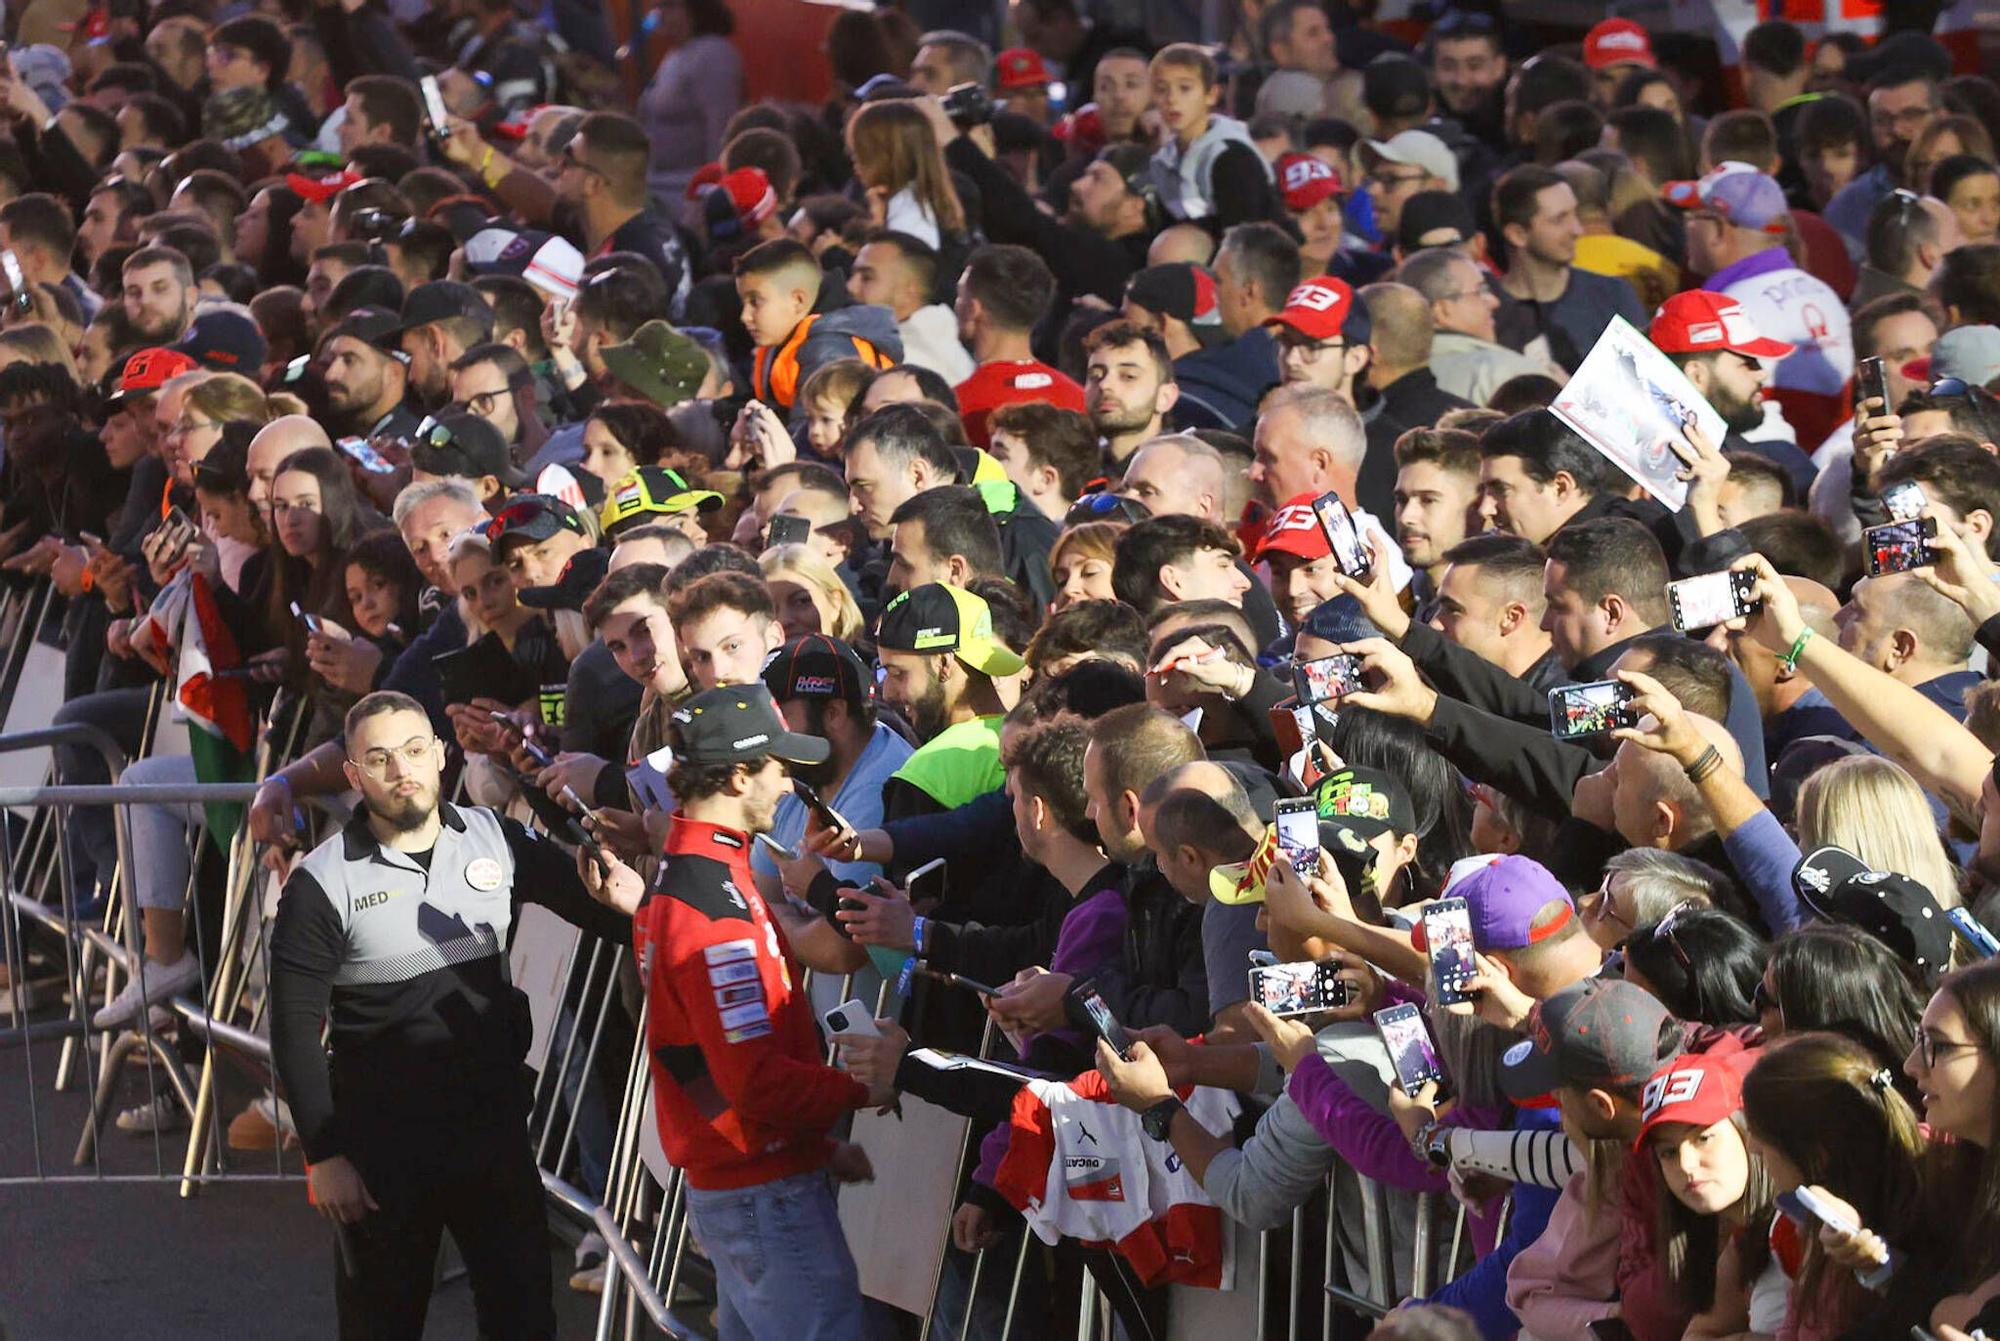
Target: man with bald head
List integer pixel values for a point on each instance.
(1194, 818)
(1653, 804)
(1190, 243)
(1177, 475)
(273, 443)
(1904, 628)
(429, 516)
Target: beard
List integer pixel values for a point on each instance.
(1739, 415)
(406, 814)
(928, 711)
(163, 330)
(1111, 417)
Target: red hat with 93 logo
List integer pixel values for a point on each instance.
(1323, 308)
(1698, 1088)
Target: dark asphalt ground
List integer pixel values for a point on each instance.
(85, 1261)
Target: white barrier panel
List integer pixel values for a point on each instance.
(36, 699)
(899, 1225)
(539, 964)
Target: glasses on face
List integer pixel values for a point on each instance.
(411, 753)
(1602, 906)
(481, 403)
(1312, 351)
(570, 160)
(1930, 1047)
(183, 427)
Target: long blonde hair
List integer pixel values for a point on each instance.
(796, 563)
(1871, 807)
(37, 342)
(893, 147)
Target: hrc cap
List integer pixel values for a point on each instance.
(443, 299)
(1020, 67)
(1305, 180)
(1603, 1033)
(226, 341)
(646, 492)
(465, 445)
(937, 617)
(1896, 910)
(1415, 149)
(738, 201)
(1181, 290)
(1738, 194)
(1323, 308)
(733, 724)
(1700, 321)
(534, 518)
(662, 364)
(816, 666)
(1698, 1088)
(580, 576)
(149, 370)
(1364, 801)
(1293, 529)
(1506, 896)
(1429, 212)
(1618, 42)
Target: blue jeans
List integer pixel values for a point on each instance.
(782, 1268)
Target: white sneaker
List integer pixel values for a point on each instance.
(588, 1280)
(153, 982)
(163, 1114)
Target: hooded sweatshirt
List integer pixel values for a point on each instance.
(1185, 179)
(930, 340)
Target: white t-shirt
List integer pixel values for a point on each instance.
(907, 214)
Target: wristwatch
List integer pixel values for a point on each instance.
(1156, 1120)
(1436, 1144)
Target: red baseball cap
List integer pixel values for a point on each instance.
(321, 189)
(1698, 1088)
(1021, 67)
(705, 176)
(751, 193)
(1322, 308)
(149, 370)
(1699, 321)
(1618, 42)
(1305, 181)
(1294, 530)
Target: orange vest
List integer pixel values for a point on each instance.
(774, 376)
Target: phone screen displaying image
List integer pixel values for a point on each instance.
(1297, 821)
(1302, 988)
(1590, 709)
(1448, 933)
(1409, 1045)
(1104, 1022)
(1342, 536)
(1327, 678)
(1710, 599)
(787, 530)
(1904, 499)
(1899, 546)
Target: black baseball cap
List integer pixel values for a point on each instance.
(937, 617)
(226, 341)
(441, 300)
(466, 445)
(1365, 802)
(1895, 909)
(580, 576)
(1430, 212)
(733, 724)
(534, 518)
(376, 327)
(1603, 1033)
(816, 666)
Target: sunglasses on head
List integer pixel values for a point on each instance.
(1106, 507)
(517, 513)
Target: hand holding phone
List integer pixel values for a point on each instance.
(1409, 1044)
(1578, 710)
(1302, 988)
(1297, 822)
(1899, 546)
(1350, 553)
(1103, 1021)
(1712, 598)
(853, 1020)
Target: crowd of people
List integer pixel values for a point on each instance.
(930, 540)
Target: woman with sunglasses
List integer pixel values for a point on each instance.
(1703, 965)
(1641, 885)
(1956, 1065)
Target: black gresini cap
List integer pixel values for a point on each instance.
(734, 724)
(1895, 909)
(580, 576)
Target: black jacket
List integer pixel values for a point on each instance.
(1161, 977)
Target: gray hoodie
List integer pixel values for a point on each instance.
(1183, 179)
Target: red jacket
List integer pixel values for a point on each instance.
(741, 1093)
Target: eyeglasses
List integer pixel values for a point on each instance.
(570, 160)
(1663, 930)
(1313, 350)
(481, 403)
(1603, 907)
(1930, 1047)
(411, 753)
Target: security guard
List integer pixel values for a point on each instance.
(744, 1099)
(397, 929)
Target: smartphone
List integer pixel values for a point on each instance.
(434, 109)
(1327, 678)
(786, 529)
(176, 526)
(1578, 710)
(1712, 598)
(822, 812)
(926, 882)
(1904, 499)
(1808, 1201)
(959, 980)
(1871, 381)
(1409, 1044)
(1342, 535)
(1448, 932)
(311, 621)
(1297, 819)
(1972, 932)
(1103, 1021)
(1303, 988)
(776, 848)
(18, 296)
(367, 457)
(853, 1019)
(91, 538)
(1899, 546)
